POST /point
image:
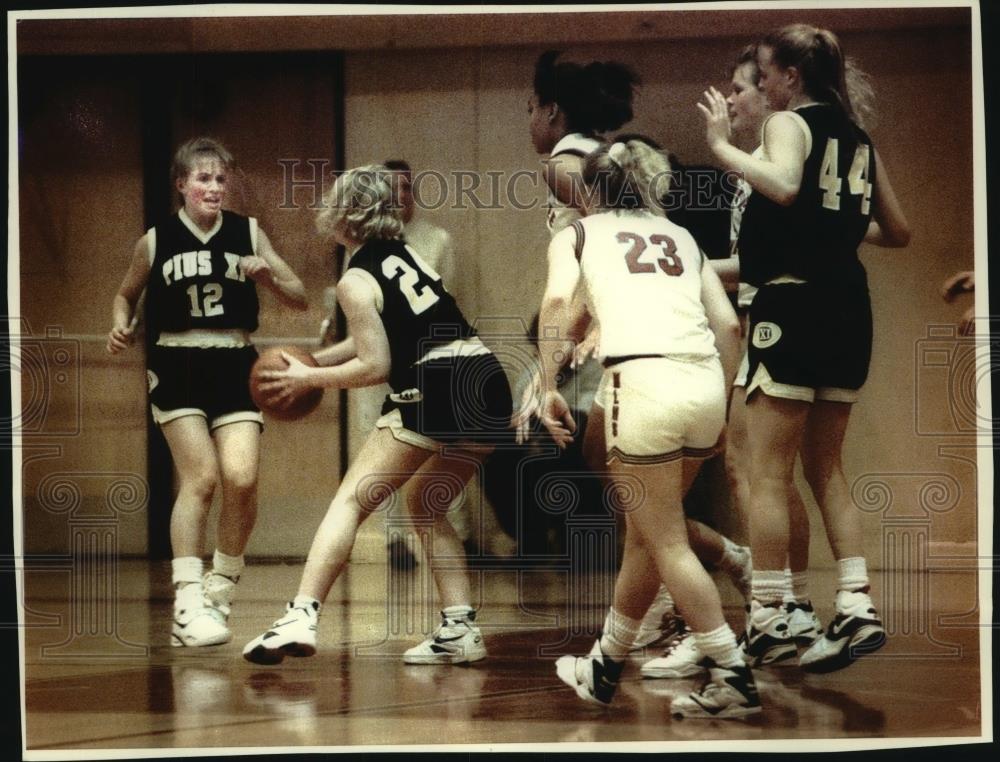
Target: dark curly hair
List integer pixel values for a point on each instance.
(595, 97)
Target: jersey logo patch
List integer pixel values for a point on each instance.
(152, 380)
(766, 335)
(407, 395)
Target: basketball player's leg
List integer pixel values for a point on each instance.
(658, 527)
(822, 444)
(857, 627)
(195, 622)
(594, 449)
(380, 468)
(429, 495)
(237, 442)
(431, 491)
(774, 427)
(238, 447)
(193, 453)
(738, 456)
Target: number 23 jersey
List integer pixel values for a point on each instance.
(417, 312)
(643, 278)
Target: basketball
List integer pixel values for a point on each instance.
(291, 409)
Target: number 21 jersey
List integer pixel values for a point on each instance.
(643, 278)
(417, 312)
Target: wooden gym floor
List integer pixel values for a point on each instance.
(101, 675)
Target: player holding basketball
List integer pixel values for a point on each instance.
(665, 400)
(819, 190)
(200, 270)
(450, 404)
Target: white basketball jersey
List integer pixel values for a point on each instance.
(643, 278)
(559, 214)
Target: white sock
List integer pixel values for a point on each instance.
(800, 586)
(462, 613)
(852, 573)
(306, 602)
(720, 646)
(228, 566)
(789, 596)
(186, 570)
(767, 586)
(618, 635)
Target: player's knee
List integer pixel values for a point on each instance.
(240, 481)
(817, 473)
(199, 483)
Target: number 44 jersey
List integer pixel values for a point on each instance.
(417, 312)
(816, 237)
(643, 279)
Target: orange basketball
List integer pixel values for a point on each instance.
(291, 409)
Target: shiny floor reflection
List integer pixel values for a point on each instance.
(129, 689)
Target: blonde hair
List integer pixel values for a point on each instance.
(628, 174)
(361, 200)
(198, 148)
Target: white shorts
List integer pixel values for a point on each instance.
(659, 409)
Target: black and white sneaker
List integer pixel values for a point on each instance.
(855, 631)
(767, 639)
(292, 635)
(594, 677)
(803, 624)
(457, 641)
(729, 693)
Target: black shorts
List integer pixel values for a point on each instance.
(463, 400)
(213, 383)
(810, 343)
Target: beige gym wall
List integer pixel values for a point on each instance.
(464, 108)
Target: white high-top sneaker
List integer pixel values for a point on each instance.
(292, 635)
(195, 623)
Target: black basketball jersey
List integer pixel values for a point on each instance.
(816, 238)
(195, 283)
(417, 312)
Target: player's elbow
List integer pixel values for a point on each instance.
(898, 236)
(786, 195)
(377, 369)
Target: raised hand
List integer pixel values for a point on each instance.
(718, 129)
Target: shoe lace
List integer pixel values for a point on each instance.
(677, 642)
